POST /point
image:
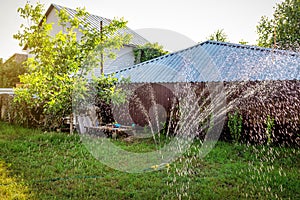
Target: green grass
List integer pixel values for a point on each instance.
(58, 166)
(10, 188)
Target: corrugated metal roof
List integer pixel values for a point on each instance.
(217, 61)
(94, 20)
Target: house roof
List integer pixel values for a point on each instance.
(17, 57)
(94, 20)
(212, 61)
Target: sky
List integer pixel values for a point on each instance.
(194, 19)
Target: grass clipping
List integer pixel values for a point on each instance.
(10, 188)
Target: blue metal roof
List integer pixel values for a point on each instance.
(217, 61)
(94, 20)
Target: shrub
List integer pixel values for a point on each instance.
(235, 125)
(270, 122)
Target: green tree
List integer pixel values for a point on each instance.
(243, 42)
(61, 60)
(219, 35)
(148, 51)
(283, 30)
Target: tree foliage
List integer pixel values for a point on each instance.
(243, 42)
(61, 60)
(105, 91)
(283, 30)
(219, 35)
(148, 51)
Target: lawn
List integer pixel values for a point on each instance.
(39, 165)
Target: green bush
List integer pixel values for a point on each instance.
(235, 125)
(270, 122)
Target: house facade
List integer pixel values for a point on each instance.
(11, 69)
